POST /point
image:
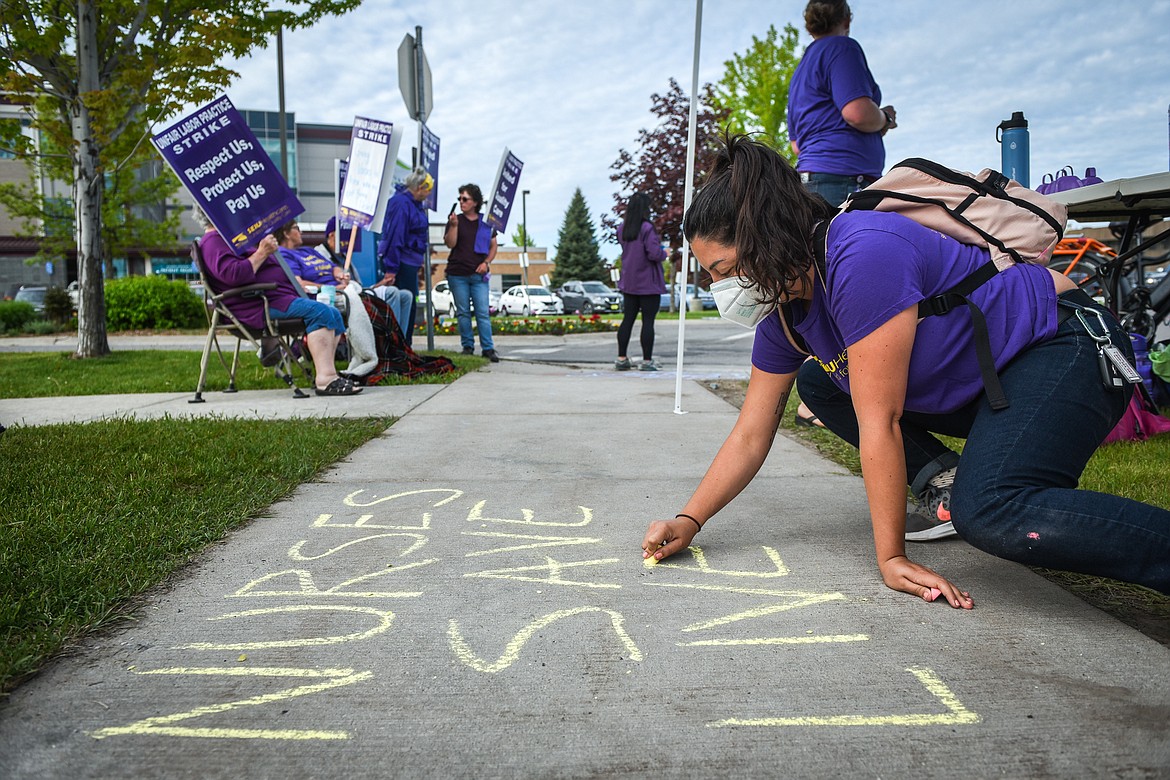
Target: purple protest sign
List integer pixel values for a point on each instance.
(228, 173)
(504, 192)
(430, 163)
(373, 146)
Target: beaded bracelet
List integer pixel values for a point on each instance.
(698, 525)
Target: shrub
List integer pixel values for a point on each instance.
(14, 315)
(151, 303)
(43, 327)
(58, 305)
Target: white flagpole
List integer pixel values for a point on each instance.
(688, 191)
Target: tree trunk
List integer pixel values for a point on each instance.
(87, 195)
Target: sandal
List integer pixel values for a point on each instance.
(812, 421)
(339, 386)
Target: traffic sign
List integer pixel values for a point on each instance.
(408, 80)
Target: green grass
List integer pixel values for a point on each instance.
(45, 374)
(1133, 469)
(93, 515)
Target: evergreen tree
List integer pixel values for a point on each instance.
(577, 255)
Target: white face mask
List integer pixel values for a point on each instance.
(738, 301)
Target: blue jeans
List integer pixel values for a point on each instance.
(401, 302)
(833, 187)
(1015, 492)
(469, 291)
(407, 279)
(316, 315)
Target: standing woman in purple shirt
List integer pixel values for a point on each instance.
(835, 118)
(888, 383)
(642, 282)
(834, 124)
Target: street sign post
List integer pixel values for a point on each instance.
(414, 81)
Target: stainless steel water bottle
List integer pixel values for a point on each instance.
(1012, 134)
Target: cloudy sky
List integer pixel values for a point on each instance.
(565, 85)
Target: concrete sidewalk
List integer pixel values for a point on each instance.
(464, 596)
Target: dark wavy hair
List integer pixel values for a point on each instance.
(474, 192)
(281, 233)
(637, 212)
(822, 17)
(753, 200)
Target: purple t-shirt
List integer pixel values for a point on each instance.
(309, 265)
(225, 270)
(642, 263)
(880, 264)
(833, 72)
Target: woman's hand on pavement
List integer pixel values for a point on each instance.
(900, 573)
(666, 537)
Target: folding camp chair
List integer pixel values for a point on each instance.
(274, 344)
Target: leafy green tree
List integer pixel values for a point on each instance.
(134, 214)
(518, 238)
(577, 255)
(102, 71)
(753, 92)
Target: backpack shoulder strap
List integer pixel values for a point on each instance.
(820, 236)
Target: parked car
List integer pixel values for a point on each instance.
(705, 297)
(33, 295)
(530, 300)
(494, 302)
(444, 299)
(588, 297)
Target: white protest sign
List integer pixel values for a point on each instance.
(373, 149)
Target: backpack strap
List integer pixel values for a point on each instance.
(945, 302)
(820, 236)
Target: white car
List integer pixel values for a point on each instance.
(444, 299)
(530, 299)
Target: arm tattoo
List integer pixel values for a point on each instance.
(779, 414)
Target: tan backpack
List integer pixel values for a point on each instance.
(989, 210)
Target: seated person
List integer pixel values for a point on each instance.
(311, 270)
(399, 301)
(308, 266)
(225, 269)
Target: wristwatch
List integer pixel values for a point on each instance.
(889, 119)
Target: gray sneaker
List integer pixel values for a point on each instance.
(647, 365)
(622, 364)
(932, 519)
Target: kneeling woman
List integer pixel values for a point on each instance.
(887, 383)
(225, 270)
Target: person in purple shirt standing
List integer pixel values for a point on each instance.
(641, 283)
(888, 383)
(405, 233)
(225, 270)
(836, 122)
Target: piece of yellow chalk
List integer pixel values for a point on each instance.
(651, 561)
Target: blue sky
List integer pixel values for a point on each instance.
(566, 85)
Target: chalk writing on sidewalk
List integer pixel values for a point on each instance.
(375, 549)
(955, 715)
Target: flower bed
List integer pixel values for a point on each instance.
(531, 326)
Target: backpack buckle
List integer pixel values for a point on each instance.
(997, 181)
(938, 305)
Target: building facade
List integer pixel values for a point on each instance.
(311, 153)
